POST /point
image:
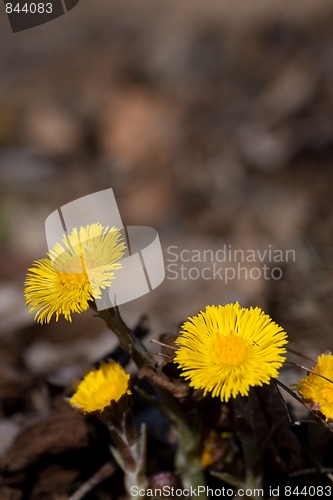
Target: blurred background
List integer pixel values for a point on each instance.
(211, 121)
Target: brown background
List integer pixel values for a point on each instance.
(212, 122)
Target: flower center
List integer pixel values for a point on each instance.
(229, 349)
(73, 279)
(74, 273)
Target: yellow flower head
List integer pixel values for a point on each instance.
(228, 349)
(318, 391)
(213, 449)
(100, 388)
(75, 272)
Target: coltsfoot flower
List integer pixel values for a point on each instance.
(316, 390)
(101, 387)
(228, 349)
(75, 272)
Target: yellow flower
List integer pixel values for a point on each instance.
(101, 387)
(228, 349)
(75, 272)
(214, 448)
(318, 391)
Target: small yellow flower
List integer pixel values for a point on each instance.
(318, 391)
(75, 272)
(101, 387)
(228, 349)
(215, 446)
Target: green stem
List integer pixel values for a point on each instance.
(246, 431)
(188, 453)
(128, 342)
(130, 448)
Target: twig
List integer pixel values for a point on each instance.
(305, 472)
(284, 403)
(300, 354)
(309, 370)
(300, 400)
(103, 473)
